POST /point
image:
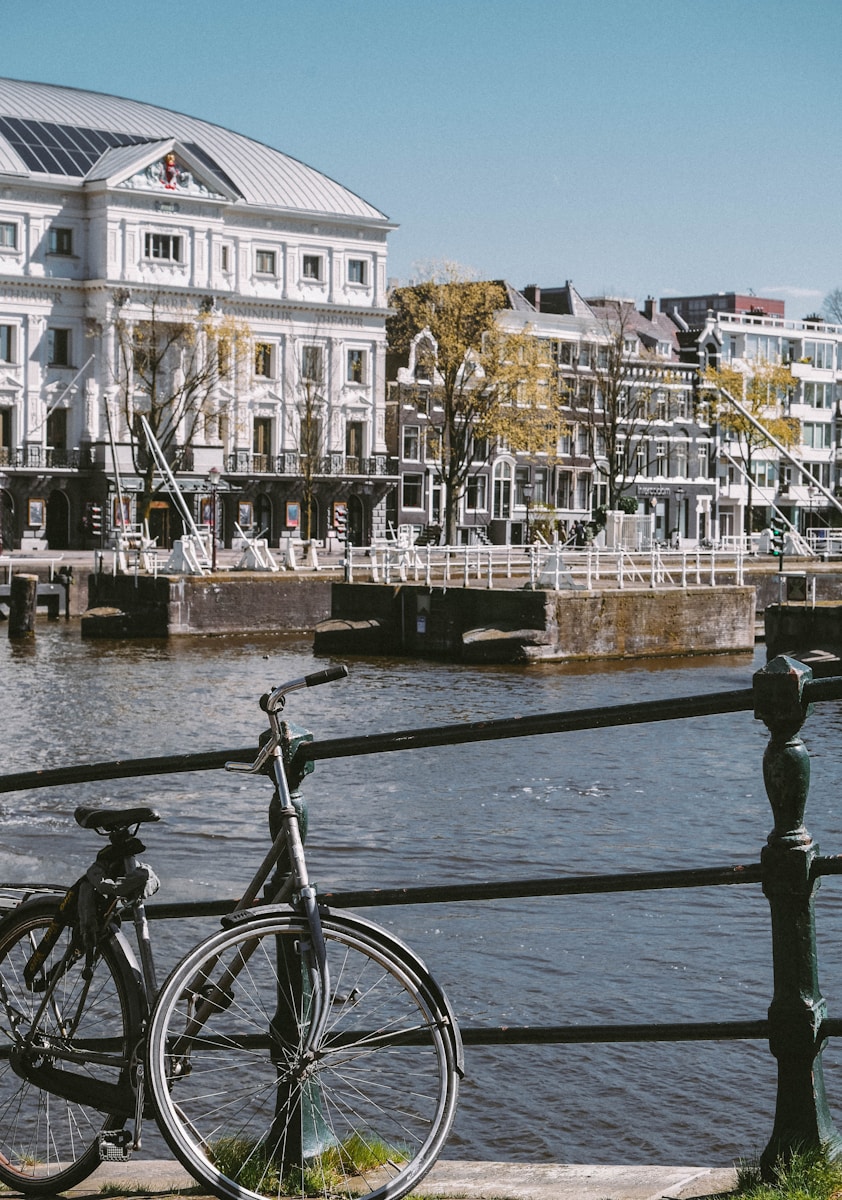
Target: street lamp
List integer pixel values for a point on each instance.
(213, 483)
(527, 496)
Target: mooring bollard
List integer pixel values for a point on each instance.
(23, 601)
(802, 1118)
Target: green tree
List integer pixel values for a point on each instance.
(491, 384)
(764, 392)
(172, 366)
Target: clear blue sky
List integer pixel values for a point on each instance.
(636, 146)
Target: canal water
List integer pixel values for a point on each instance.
(669, 795)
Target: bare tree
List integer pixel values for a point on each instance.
(832, 306)
(613, 393)
(171, 365)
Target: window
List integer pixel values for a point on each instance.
(223, 357)
(263, 360)
(354, 440)
(57, 429)
(264, 262)
(356, 366)
(539, 485)
(583, 491)
(356, 270)
(820, 354)
(261, 443)
(162, 246)
(412, 492)
(682, 457)
(564, 491)
(521, 480)
(764, 473)
(502, 490)
(817, 437)
(566, 353)
(312, 266)
(8, 235)
(58, 347)
(476, 494)
(818, 395)
(60, 241)
(412, 443)
(311, 363)
(225, 258)
(7, 343)
(479, 449)
(661, 458)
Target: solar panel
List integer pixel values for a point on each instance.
(56, 149)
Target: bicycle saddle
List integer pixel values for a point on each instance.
(113, 818)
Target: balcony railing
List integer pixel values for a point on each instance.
(22, 457)
(290, 463)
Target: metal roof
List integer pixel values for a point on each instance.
(62, 132)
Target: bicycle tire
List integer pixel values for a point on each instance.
(250, 1117)
(48, 1142)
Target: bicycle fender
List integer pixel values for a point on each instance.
(376, 933)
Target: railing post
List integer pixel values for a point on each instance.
(797, 1010)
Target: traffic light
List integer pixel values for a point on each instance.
(776, 542)
(340, 518)
(95, 520)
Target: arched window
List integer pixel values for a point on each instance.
(502, 490)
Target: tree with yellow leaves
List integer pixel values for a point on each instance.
(764, 390)
(491, 384)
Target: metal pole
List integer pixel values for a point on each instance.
(802, 1118)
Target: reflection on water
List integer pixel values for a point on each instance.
(667, 795)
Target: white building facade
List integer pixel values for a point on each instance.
(114, 213)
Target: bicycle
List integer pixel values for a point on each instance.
(295, 1052)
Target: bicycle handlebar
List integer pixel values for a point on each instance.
(272, 703)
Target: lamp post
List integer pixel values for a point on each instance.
(527, 496)
(679, 500)
(213, 483)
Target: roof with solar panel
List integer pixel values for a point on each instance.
(67, 134)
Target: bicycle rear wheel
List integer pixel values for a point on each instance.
(49, 1141)
(252, 1112)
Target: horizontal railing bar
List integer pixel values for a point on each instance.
(700, 1031)
(638, 881)
(647, 711)
(605, 717)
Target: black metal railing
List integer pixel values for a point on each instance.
(797, 1025)
(292, 464)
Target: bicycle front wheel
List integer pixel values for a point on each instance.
(253, 1109)
(65, 1043)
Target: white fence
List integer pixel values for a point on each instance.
(542, 567)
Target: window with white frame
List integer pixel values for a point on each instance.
(502, 490)
(357, 270)
(641, 455)
(539, 485)
(583, 491)
(820, 354)
(7, 343)
(704, 458)
(682, 457)
(263, 360)
(476, 493)
(8, 235)
(60, 241)
(522, 479)
(164, 247)
(312, 267)
(661, 458)
(412, 491)
(412, 443)
(356, 366)
(564, 490)
(479, 449)
(816, 436)
(818, 395)
(764, 473)
(312, 364)
(58, 347)
(264, 262)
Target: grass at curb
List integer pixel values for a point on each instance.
(810, 1175)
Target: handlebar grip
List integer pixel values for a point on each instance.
(327, 676)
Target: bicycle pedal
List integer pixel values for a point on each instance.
(115, 1145)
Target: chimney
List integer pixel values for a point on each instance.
(649, 309)
(533, 295)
